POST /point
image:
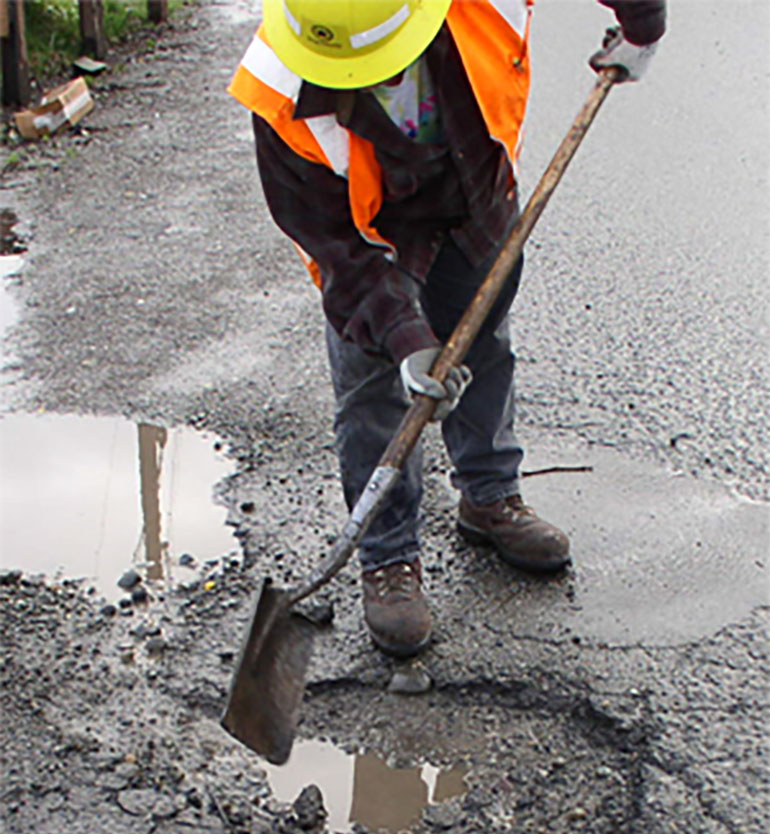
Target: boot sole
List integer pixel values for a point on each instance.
(474, 535)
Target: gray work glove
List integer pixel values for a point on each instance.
(415, 374)
(616, 51)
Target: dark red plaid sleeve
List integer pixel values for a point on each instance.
(366, 298)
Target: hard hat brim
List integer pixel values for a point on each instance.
(364, 70)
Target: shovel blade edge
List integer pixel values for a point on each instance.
(267, 686)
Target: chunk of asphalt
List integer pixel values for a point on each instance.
(309, 808)
(410, 679)
(129, 580)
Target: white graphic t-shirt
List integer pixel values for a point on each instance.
(412, 103)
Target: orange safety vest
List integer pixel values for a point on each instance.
(492, 37)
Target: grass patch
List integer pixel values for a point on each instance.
(53, 30)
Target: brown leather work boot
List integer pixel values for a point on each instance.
(519, 536)
(395, 609)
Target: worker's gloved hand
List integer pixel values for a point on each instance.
(415, 374)
(616, 51)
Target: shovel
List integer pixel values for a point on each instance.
(266, 690)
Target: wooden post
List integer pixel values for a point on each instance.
(92, 39)
(157, 10)
(13, 46)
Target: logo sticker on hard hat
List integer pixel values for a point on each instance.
(323, 36)
(322, 33)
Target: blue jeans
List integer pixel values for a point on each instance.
(478, 434)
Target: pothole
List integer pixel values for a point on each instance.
(90, 497)
(363, 788)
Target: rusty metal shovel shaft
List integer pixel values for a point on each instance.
(269, 680)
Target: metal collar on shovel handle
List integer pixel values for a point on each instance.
(269, 681)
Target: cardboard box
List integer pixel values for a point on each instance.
(64, 105)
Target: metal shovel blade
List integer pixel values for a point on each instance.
(267, 687)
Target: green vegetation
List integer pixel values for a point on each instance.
(53, 30)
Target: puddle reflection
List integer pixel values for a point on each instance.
(362, 788)
(92, 496)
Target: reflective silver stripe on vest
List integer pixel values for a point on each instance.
(264, 64)
(334, 142)
(515, 13)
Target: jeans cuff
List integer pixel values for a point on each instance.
(493, 493)
(372, 561)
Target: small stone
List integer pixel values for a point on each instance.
(164, 808)
(309, 808)
(10, 577)
(129, 580)
(194, 799)
(125, 602)
(187, 822)
(603, 772)
(156, 645)
(410, 679)
(320, 614)
(144, 630)
(186, 560)
(274, 806)
(478, 798)
(126, 654)
(127, 769)
(577, 814)
(137, 802)
(442, 817)
(53, 800)
(139, 595)
(108, 610)
(112, 781)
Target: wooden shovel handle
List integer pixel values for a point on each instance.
(421, 410)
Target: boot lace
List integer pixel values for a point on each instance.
(399, 580)
(514, 506)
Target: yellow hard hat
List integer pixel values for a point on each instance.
(351, 43)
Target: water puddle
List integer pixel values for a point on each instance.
(92, 496)
(362, 788)
(10, 267)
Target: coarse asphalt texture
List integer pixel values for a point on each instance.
(627, 695)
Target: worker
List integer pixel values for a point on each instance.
(387, 133)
